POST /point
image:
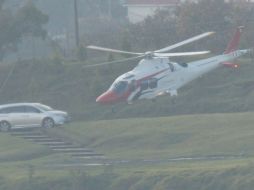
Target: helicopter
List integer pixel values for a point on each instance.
(157, 75)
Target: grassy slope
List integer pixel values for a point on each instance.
(73, 88)
(16, 149)
(167, 137)
(150, 138)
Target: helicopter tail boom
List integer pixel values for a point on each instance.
(233, 44)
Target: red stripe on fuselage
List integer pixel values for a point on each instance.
(110, 97)
(128, 92)
(152, 75)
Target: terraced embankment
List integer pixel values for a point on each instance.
(56, 144)
(183, 152)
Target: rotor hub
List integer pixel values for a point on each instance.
(149, 55)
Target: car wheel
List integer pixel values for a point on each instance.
(5, 126)
(48, 123)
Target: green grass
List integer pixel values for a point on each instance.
(73, 88)
(147, 138)
(16, 149)
(142, 138)
(167, 137)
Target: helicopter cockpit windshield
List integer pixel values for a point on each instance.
(120, 87)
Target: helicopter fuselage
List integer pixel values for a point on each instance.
(158, 76)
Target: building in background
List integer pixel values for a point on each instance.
(138, 10)
(240, 1)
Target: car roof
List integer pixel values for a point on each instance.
(19, 104)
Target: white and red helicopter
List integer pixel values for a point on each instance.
(156, 75)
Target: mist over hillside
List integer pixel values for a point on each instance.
(74, 89)
(200, 139)
(61, 12)
(51, 70)
(61, 24)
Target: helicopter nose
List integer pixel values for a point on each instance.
(107, 98)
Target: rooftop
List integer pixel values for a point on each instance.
(152, 2)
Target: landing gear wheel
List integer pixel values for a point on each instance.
(48, 123)
(5, 126)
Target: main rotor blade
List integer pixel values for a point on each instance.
(179, 54)
(112, 62)
(195, 38)
(113, 50)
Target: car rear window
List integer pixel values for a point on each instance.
(14, 109)
(3, 110)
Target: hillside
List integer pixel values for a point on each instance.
(213, 151)
(168, 137)
(73, 88)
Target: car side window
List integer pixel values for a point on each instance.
(16, 109)
(4, 110)
(30, 109)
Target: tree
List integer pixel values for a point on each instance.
(211, 15)
(1, 3)
(126, 44)
(112, 8)
(28, 21)
(8, 35)
(82, 53)
(154, 32)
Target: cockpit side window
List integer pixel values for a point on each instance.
(120, 87)
(183, 64)
(171, 66)
(144, 85)
(153, 83)
(132, 85)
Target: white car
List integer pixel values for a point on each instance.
(20, 115)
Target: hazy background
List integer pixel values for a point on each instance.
(41, 61)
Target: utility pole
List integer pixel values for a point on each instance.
(109, 9)
(76, 23)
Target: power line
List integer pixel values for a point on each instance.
(76, 23)
(8, 77)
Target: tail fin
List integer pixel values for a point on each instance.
(233, 44)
